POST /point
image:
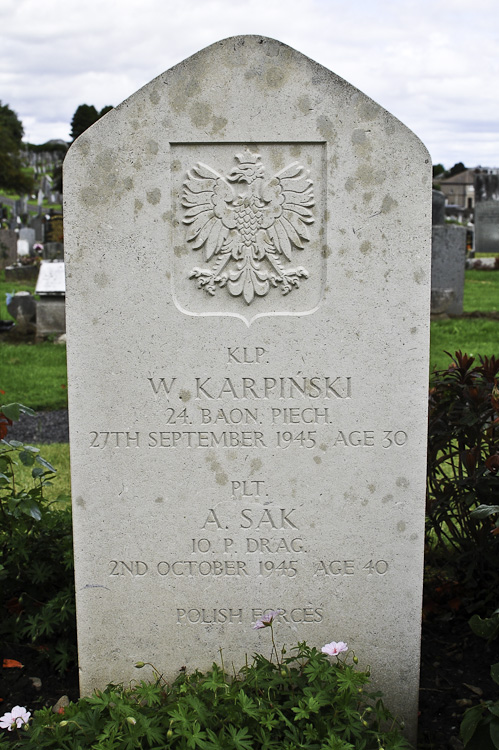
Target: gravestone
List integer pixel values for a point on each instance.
(437, 207)
(50, 308)
(53, 251)
(22, 248)
(37, 222)
(54, 230)
(487, 227)
(28, 234)
(248, 282)
(22, 307)
(8, 247)
(448, 263)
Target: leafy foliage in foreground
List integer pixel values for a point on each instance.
(480, 726)
(463, 464)
(305, 701)
(36, 554)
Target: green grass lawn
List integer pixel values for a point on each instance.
(481, 291)
(471, 335)
(34, 375)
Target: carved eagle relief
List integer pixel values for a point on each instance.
(250, 229)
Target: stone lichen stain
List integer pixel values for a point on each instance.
(220, 475)
(101, 280)
(154, 196)
(255, 465)
(419, 276)
(388, 204)
(185, 395)
(365, 247)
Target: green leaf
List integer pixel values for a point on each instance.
(30, 508)
(45, 463)
(484, 510)
(485, 628)
(11, 411)
(494, 673)
(494, 733)
(469, 723)
(37, 472)
(26, 458)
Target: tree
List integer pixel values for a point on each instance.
(85, 116)
(457, 169)
(438, 169)
(12, 177)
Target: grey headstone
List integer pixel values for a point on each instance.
(8, 247)
(487, 227)
(28, 234)
(448, 263)
(50, 316)
(22, 307)
(248, 382)
(437, 207)
(53, 251)
(37, 224)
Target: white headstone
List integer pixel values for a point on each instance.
(247, 248)
(22, 248)
(51, 279)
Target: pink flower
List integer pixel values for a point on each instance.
(16, 719)
(267, 620)
(333, 648)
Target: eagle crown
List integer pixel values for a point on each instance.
(250, 168)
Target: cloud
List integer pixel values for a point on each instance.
(432, 63)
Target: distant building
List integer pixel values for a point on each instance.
(462, 191)
(459, 190)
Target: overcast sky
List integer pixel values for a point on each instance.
(434, 64)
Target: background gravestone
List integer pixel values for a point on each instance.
(50, 308)
(487, 227)
(8, 247)
(448, 262)
(28, 234)
(247, 244)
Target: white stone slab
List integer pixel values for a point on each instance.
(51, 278)
(248, 425)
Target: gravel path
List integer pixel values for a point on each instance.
(46, 427)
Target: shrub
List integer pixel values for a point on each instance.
(36, 554)
(480, 725)
(463, 463)
(302, 701)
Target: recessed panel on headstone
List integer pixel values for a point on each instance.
(247, 243)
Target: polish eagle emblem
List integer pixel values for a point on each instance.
(249, 229)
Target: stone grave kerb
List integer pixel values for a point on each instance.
(191, 384)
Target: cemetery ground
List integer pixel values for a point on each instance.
(455, 663)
